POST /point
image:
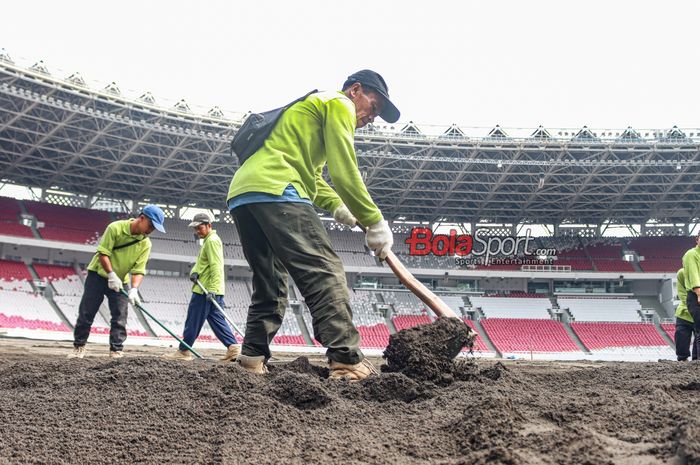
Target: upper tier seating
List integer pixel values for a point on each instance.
(601, 309)
(345, 240)
(509, 307)
(661, 254)
(9, 210)
(404, 303)
(663, 247)
(661, 265)
(455, 302)
(605, 248)
(610, 265)
(68, 224)
(15, 229)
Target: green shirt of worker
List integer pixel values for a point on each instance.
(682, 310)
(312, 133)
(130, 259)
(210, 265)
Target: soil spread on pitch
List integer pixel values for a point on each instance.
(427, 352)
(148, 410)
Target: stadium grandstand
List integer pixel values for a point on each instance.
(614, 209)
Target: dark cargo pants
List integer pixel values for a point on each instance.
(289, 237)
(94, 293)
(694, 309)
(683, 338)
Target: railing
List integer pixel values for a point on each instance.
(566, 268)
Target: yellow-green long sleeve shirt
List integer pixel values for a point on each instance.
(131, 259)
(682, 310)
(210, 265)
(311, 134)
(691, 268)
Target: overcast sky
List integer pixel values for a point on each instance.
(518, 64)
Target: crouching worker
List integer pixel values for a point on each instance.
(209, 270)
(124, 249)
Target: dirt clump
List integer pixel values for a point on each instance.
(303, 392)
(427, 352)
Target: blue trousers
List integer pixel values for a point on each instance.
(201, 310)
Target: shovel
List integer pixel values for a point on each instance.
(454, 342)
(216, 304)
(140, 307)
(416, 287)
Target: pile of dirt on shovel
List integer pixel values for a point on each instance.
(427, 352)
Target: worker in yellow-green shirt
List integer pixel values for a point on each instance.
(691, 272)
(271, 199)
(209, 271)
(684, 323)
(123, 250)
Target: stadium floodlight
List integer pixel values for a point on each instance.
(499, 164)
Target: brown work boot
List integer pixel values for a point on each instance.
(182, 355)
(231, 353)
(252, 364)
(355, 372)
(78, 352)
(116, 354)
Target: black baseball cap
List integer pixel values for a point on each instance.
(372, 79)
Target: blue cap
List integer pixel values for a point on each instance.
(156, 215)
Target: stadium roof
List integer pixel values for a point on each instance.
(58, 133)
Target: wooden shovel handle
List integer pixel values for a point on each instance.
(416, 287)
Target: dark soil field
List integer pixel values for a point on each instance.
(145, 410)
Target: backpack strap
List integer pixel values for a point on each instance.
(128, 244)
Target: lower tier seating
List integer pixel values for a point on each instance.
(528, 335)
(614, 334)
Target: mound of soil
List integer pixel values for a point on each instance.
(426, 352)
(151, 411)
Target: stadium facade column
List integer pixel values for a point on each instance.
(556, 229)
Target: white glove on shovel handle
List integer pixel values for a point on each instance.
(343, 215)
(113, 282)
(134, 296)
(416, 287)
(379, 238)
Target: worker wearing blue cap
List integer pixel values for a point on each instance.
(123, 249)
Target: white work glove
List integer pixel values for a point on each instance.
(380, 239)
(343, 215)
(134, 298)
(113, 282)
